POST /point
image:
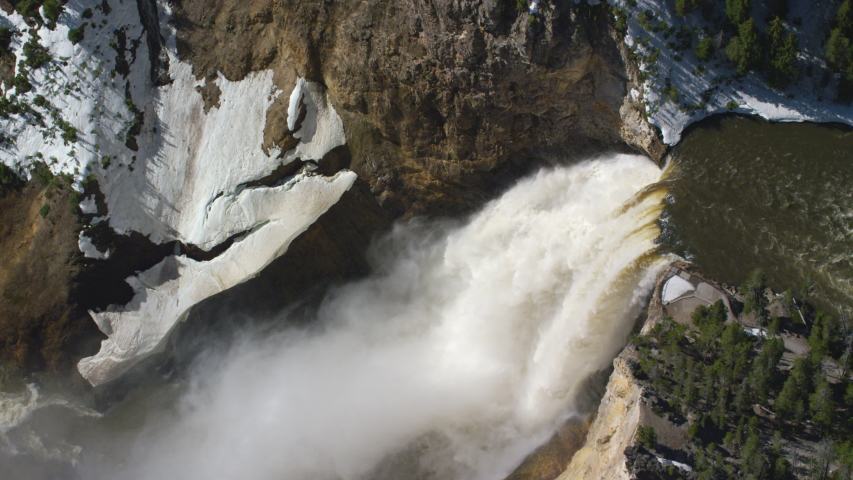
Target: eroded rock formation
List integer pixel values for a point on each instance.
(443, 102)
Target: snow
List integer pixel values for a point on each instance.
(89, 249)
(166, 292)
(755, 332)
(293, 107)
(674, 288)
(683, 466)
(88, 205)
(534, 7)
(77, 82)
(185, 179)
(805, 100)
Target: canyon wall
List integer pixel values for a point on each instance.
(211, 107)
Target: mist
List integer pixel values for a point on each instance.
(462, 351)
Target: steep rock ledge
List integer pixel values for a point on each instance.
(622, 410)
(602, 457)
(443, 102)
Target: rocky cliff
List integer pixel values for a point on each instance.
(210, 107)
(443, 102)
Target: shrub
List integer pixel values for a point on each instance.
(87, 13)
(41, 101)
(76, 34)
(69, 132)
(28, 8)
(738, 11)
(8, 179)
(704, 49)
(42, 174)
(52, 9)
(621, 24)
(22, 83)
(6, 35)
(731, 105)
(35, 54)
(44, 210)
(647, 437)
(670, 93)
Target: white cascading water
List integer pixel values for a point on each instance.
(461, 353)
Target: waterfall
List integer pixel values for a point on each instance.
(462, 352)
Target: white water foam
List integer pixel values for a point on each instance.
(465, 349)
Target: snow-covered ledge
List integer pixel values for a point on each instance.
(170, 166)
(166, 292)
(190, 184)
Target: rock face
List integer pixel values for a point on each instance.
(439, 106)
(42, 322)
(443, 102)
(225, 129)
(602, 457)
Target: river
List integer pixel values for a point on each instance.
(746, 193)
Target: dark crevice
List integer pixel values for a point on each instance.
(335, 160)
(157, 54)
(120, 46)
(331, 251)
(102, 281)
(200, 255)
(283, 172)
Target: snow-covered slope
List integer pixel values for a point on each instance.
(708, 88)
(166, 292)
(169, 167)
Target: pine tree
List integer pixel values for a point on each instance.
(789, 403)
(753, 288)
(647, 437)
(738, 11)
(822, 406)
(844, 17)
(721, 408)
(821, 462)
(782, 55)
(704, 49)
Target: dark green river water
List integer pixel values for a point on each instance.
(746, 193)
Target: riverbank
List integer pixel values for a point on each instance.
(677, 88)
(662, 415)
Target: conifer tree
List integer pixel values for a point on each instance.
(782, 54)
(822, 406)
(789, 403)
(755, 285)
(738, 11)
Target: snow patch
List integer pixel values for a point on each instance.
(88, 205)
(683, 466)
(166, 292)
(674, 288)
(293, 108)
(90, 250)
